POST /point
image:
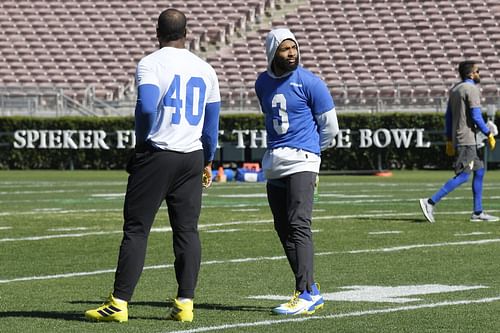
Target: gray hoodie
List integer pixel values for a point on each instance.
(273, 40)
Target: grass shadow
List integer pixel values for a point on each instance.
(395, 219)
(204, 306)
(71, 316)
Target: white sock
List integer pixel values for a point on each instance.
(183, 300)
(118, 300)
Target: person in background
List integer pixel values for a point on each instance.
(176, 124)
(463, 122)
(300, 121)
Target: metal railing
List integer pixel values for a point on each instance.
(33, 101)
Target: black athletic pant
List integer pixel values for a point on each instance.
(291, 202)
(156, 176)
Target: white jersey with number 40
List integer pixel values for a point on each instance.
(187, 83)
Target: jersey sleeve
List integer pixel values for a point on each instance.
(145, 111)
(321, 100)
(210, 131)
(479, 121)
(214, 93)
(258, 90)
(145, 74)
(148, 95)
(328, 127)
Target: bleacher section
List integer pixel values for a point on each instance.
(74, 44)
(390, 51)
(371, 53)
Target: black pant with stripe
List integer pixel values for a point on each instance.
(156, 176)
(291, 202)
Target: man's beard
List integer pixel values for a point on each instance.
(284, 66)
(477, 80)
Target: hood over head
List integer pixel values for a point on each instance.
(273, 40)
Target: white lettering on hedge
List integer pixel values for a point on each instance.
(386, 138)
(68, 140)
(60, 139)
(125, 139)
(400, 137)
(420, 139)
(254, 138)
(19, 139)
(343, 139)
(365, 138)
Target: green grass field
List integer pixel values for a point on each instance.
(381, 267)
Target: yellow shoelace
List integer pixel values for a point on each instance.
(293, 301)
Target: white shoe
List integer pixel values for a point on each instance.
(483, 217)
(427, 209)
(298, 304)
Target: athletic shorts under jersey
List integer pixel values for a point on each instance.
(469, 158)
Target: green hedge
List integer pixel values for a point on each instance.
(353, 158)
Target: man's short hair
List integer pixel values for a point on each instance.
(171, 25)
(465, 68)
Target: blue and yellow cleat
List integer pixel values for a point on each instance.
(319, 302)
(300, 303)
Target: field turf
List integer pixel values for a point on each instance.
(381, 266)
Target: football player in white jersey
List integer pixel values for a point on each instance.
(176, 124)
(300, 120)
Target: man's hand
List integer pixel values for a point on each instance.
(492, 127)
(206, 179)
(491, 141)
(450, 150)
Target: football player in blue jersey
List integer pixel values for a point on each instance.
(301, 121)
(464, 122)
(176, 125)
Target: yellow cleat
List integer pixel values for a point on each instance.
(111, 310)
(181, 311)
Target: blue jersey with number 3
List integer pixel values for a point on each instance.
(290, 104)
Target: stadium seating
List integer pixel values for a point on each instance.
(398, 51)
(402, 52)
(74, 44)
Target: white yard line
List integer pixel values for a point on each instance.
(384, 232)
(222, 224)
(478, 233)
(57, 211)
(37, 238)
(68, 229)
(240, 260)
(338, 315)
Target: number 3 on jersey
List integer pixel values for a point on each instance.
(280, 124)
(173, 99)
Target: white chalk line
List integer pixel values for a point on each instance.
(244, 205)
(478, 233)
(389, 232)
(254, 259)
(67, 211)
(223, 224)
(338, 315)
